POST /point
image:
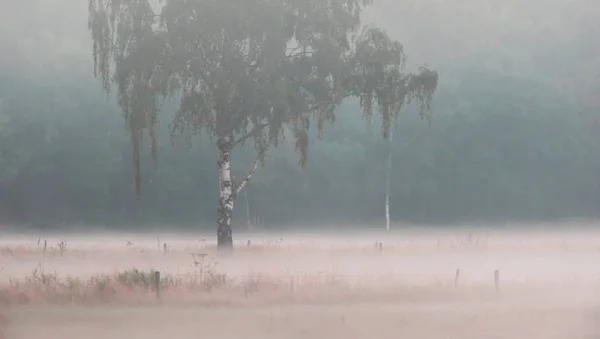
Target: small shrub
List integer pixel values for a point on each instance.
(135, 278)
(62, 247)
(213, 280)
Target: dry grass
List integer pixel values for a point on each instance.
(544, 277)
(206, 285)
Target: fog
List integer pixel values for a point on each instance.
(425, 255)
(298, 285)
(493, 202)
(501, 64)
(437, 32)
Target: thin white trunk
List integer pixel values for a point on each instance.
(244, 182)
(388, 173)
(388, 181)
(248, 221)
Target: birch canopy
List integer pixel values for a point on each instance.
(244, 70)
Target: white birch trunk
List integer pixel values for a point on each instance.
(388, 181)
(228, 192)
(226, 196)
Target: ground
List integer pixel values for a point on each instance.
(309, 286)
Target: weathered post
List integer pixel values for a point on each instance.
(497, 279)
(157, 284)
(456, 277)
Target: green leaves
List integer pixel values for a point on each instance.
(244, 69)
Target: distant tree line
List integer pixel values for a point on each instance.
(500, 148)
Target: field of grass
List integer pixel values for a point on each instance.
(408, 285)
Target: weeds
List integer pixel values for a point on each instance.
(132, 284)
(204, 280)
(135, 278)
(205, 273)
(135, 286)
(62, 247)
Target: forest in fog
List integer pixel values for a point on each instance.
(513, 135)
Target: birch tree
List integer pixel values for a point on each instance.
(244, 70)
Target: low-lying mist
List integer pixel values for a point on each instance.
(457, 283)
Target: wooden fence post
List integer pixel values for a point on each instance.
(497, 279)
(456, 277)
(157, 284)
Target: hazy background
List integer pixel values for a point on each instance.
(514, 134)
